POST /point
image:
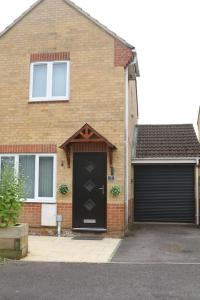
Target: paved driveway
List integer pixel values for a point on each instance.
(160, 244)
(69, 249)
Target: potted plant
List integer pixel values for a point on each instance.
(63, 188)
(115, 190)
(13, 236)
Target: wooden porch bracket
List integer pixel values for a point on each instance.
(87, 134)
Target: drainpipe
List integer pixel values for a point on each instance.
(59, 224)
(126, 170)
(197, 191)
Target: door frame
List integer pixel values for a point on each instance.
(104, 229)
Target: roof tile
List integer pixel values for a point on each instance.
(166, 141)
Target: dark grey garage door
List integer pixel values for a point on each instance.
(164, 193)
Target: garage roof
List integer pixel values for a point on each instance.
(166, 141)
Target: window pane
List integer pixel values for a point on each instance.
(39, 80)
(59, 80)
(27, 170)
(46, 177)
(8, 161)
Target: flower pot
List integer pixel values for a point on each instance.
(14, 241)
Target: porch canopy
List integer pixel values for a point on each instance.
(89, 135)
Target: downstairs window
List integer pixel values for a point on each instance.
(38, 171)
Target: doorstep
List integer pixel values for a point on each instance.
(71, 249)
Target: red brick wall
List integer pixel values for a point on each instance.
(123, 54)
(28, 148)
(49, 56)
(115, 217)
(31, 214)
(65, 209)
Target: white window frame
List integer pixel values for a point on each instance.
(49, 96)
(37, 199)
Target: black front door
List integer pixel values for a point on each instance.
(89, 190)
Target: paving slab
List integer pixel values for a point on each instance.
(160, 244)
(69, 249)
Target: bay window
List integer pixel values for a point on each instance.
(38, 171)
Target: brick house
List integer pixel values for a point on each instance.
(68, 106)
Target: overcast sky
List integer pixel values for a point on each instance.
(166, 36)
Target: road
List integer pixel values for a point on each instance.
(48, 281)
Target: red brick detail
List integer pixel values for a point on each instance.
(115, 217)
(89, 147)
(49, 56)
(123, 54)
(65, 209)
(51, 148)
(31, 214)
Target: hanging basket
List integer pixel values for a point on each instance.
(115, 190)
(63, 189)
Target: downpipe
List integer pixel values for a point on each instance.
(59, 225)
(126, 175)
(197, 191)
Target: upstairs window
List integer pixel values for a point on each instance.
(49, 81)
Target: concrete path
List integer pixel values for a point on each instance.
(160, 244)
(68, 249)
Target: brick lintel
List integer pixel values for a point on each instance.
(33, 148)
(49, 56)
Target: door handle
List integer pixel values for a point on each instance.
(102, 189)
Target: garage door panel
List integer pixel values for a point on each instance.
(164, 193)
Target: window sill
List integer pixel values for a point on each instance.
(47, 101)
(40, 200)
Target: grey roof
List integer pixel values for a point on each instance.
(77, 8)
(166, 141)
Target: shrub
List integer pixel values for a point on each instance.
(11, 196)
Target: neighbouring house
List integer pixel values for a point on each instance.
(68, 106)
(198, 123)
(166, 161)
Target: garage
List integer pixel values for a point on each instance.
(164, 193)
(165, 167)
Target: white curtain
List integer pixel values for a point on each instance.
(46, 177)
(27, 170)
(59, 80)
(39, 80)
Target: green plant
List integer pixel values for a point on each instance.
(3, 260)
(115, 190)
(63, 189)
(11, 196)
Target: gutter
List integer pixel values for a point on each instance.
(168, 160)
